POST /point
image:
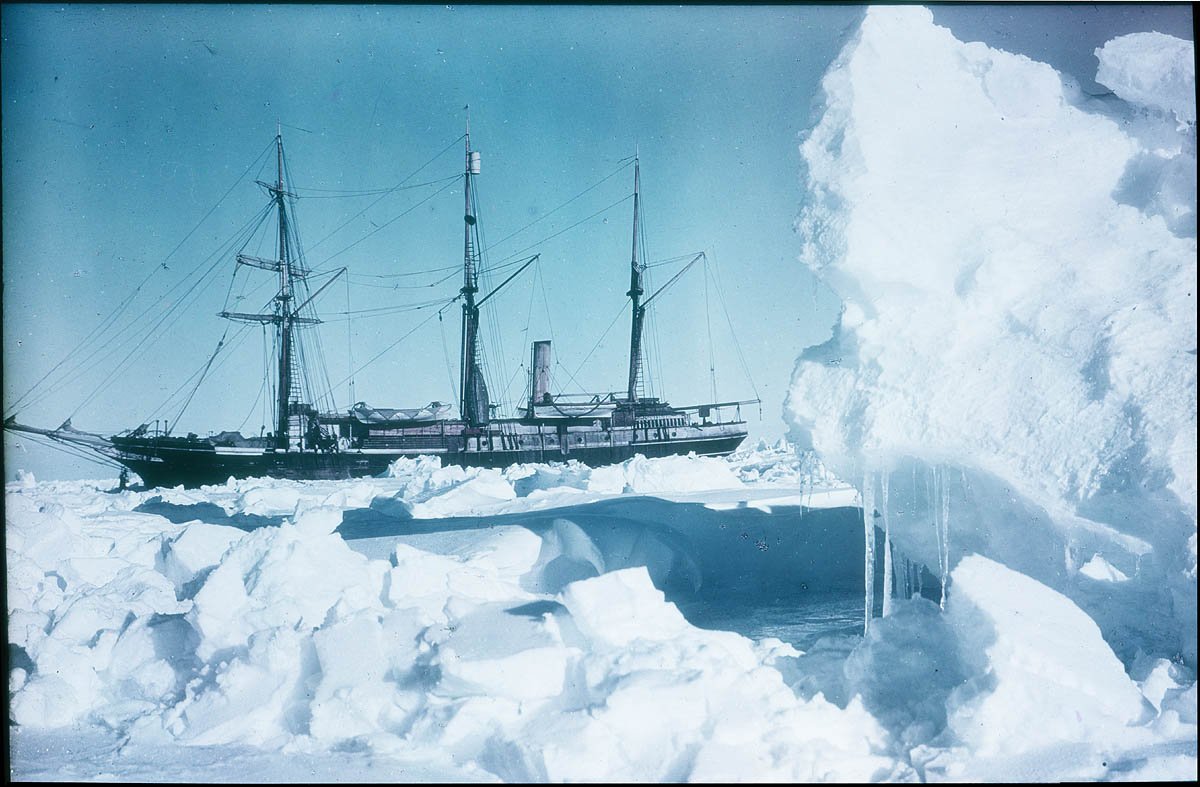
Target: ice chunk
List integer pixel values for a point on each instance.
(197, 548)
(1151, 69)
(1045, 675)
(621, 606)
(1100, 569)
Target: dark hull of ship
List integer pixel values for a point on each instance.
(169, 466)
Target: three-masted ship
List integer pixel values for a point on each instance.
(307, 443)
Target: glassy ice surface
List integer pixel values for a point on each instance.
(799, 620)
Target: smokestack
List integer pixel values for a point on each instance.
(541, 371)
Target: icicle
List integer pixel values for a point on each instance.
(868, 507)
(920, 581)
(887, 546)
(945, 490)
(906, 582)
(933, 495)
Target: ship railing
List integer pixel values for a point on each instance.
(713, 410)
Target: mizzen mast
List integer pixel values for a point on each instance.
(635, 293)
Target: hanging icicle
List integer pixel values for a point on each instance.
(868, 507)
(887, 545)
(945, 538)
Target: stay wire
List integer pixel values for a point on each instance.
(408, 177)
(100, 329)
(153, 332)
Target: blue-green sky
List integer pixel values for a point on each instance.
(124, 125)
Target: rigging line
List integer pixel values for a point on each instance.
(344, 193)
(598, 341)
(386, 224)
(349, 344)
(254, 406)
(71, 450)
(442, 280)
(495, 342)
(230, 347)
(131, 332)
(446, 352)
(615, 172)
(396, 308)
(173, 311)
(455, 270)
(404, 310)
(393, 344)
(112, 316)
(729, 320)
(489, 322)
(405, 180)
(152, 334)
(203, 373)
(216, 256)
(545, 299)
(567, 229)
(528, 318)
(670, 260)
(411, 273)
(712, 361)
(507, 387)
(569, 375)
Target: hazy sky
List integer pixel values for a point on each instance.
(123, 126)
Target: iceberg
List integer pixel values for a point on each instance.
(1011, 350)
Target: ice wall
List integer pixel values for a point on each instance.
(1018, 342)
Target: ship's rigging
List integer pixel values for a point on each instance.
(299, 389)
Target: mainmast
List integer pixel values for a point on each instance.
(474, 405)
(283, 307)
(635, 293)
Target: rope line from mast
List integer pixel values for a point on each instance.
(394, 344)
(446, 352)
(96, 334)
(614, 173)
(154, 331)
(408, 177)
(737, 345)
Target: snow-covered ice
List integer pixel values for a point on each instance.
(493, 655)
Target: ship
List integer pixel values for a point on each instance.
(308, 443)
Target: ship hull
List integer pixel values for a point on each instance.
(159, 465)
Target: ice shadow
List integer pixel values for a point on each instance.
(209, 513)
(688, 548)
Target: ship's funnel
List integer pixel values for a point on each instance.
(541, 371)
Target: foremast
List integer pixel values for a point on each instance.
(474, 405)
(284, 317)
